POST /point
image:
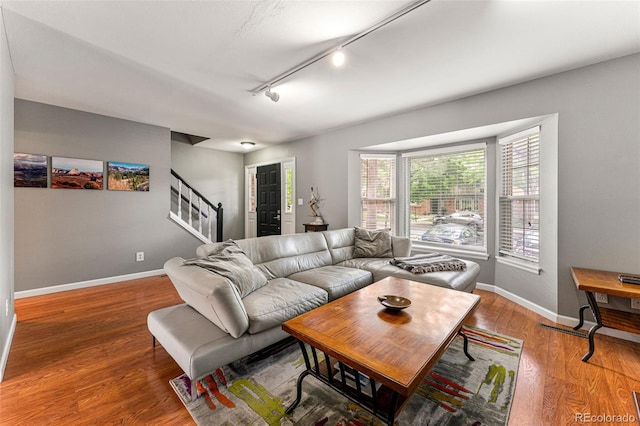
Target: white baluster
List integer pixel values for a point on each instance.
(190, 207)
(209, 221)
(179, 199)
(200, 215)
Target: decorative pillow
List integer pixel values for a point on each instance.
(229, 261)
(372, 243)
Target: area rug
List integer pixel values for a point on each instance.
(457, 391)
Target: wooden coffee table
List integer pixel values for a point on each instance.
(394, 350)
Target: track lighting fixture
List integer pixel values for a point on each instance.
(272, 95)
(248, 144)
(337, 56)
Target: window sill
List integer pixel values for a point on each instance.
(531, 267)
(467, 254)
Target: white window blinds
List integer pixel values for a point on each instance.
(378, 191)
(447, 195)
(519, 195)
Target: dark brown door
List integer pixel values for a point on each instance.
(268, 208)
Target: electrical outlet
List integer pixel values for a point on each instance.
(635, 303)
(300, 201)
(140, 256)
(602, 298)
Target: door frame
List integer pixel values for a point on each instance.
(288, 215)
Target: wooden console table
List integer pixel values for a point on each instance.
(593, 281)
(315, 227)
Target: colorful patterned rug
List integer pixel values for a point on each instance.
(457, 391)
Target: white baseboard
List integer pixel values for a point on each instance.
(85, 284)
(7, 346)
(554, 317)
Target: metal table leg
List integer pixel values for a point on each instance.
(595, 310)
(295, 403)
(465, 346)
(356, 394)
(301, 377)
(581, 323)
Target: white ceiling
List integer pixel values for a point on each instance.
(190, 65)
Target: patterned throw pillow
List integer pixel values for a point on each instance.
(372, 243)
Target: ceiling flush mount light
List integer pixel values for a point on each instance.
(248, 144)
(272, 95)
(338, 58)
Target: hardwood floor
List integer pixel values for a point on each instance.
(84, 357)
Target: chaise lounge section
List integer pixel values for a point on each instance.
(222, 320)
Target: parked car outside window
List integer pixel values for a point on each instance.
(452, 233)
(463, 218)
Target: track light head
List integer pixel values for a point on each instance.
(272, 95)
(338, 58)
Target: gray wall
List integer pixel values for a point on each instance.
(217, 175)
(6, 198)
(598, 163)
(65, 236)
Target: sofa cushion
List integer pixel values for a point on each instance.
(212, 295)
(229, 261)
(341, 243)
(372, 243)
(198, 346)
(279, 256)
(335, 280)
(401, 246)
(280, 300)
(366, 263)
(457, 280)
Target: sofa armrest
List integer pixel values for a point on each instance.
(214, 296)
(401, 246)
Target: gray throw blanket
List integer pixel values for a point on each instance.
(229, 261)
(431, 262)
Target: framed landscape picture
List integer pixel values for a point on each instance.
(127, 176)
(29, 170)
(75, 173)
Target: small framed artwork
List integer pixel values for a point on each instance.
(127, 176)
(29, 170)
(75, 173)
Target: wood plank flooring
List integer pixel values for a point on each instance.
(84, 357)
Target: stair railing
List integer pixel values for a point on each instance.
(202, 207)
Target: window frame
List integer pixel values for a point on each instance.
(393, 188)
(503, 255)
(475, 252)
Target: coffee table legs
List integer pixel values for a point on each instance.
(295, 403)
(304, 374)
(340, 385)
(465, 345)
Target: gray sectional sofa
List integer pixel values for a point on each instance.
(223, 320)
